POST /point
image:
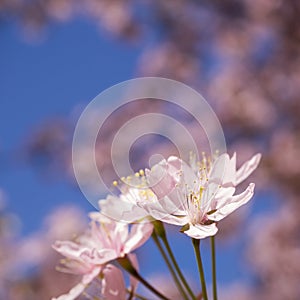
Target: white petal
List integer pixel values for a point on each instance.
(188, 174)
(233, 203)
(167, 214)
(121, 210)
(221, 171)
(247, 168)
(201, 231)
(220, 198)
(179, 220)
(210, 191)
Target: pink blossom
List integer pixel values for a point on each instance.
(200, 194)
(89, 254)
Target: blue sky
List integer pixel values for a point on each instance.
(46, 79)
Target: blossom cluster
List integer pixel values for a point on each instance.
(194, 196)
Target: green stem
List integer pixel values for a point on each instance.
(164, 255)
(213, 263)
(125, 263)
(196, 244)
(159, 227)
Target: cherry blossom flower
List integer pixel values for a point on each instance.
(75, 264)
(105, 241)
(198, 195)
(91, 252)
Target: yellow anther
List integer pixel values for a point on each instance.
(142, 173)
(201, 191)
(137, 174)
(115, 183)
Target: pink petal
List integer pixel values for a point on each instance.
(98, 257)
(113, 283)
(88, 278)
(161, 181)
(201, 231)
(75, 292)
(247, 168)
(138, 235)
(133, 281)
(68, 249)
(78, 289)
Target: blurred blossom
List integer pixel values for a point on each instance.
(114, 15)
(274, 253)
(27, 266)
(237, 291)
(49, 147)
(168, 61)
(64, 222)
(283, 160)
(239, 101)
(165, 285)
(5, 248)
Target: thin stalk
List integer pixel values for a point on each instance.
(127, 266)
(196, 244)
(213, 264)
(165, 257)
(173, 259)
